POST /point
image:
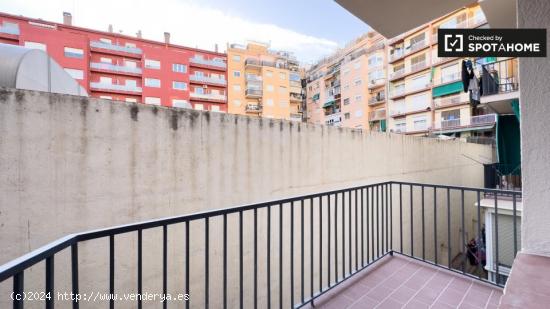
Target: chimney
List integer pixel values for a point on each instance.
(216, 47)
(111, 28)
(67, 19)
(167, 37)
(138, 34)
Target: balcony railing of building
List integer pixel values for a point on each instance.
(211, 63)
(397, 92)
(12, 29)
(418, 66)
(484, 140)
(295, 116)
(253, 78)
(376, 115)
(398, 73)
(208, 79)
(253, 108)
(377, 82)
(397, 54)
(250, 92)
(503, 176)
(295, 97)
(483, 119)
(208, 96)
(448, 78)
(115, 47)
(377, 99)
(500, 77)
(450, 123)
(286, 252)
(115, 68)
(457, 99)
(107, 86)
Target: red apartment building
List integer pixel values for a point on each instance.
(120, 67)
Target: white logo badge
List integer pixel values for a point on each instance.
(454, 42)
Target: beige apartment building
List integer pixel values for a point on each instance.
(263, 82)
(339, 87)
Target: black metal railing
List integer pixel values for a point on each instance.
(291, 251)
(503, 176)
(500, 76)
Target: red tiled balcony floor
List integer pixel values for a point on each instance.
(400, 282)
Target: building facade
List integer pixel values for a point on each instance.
(120, 67)
(263, 82)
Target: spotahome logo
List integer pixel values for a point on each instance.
(491, 43)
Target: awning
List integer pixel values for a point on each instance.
(328, 104)
(447, 89)
(315, 97)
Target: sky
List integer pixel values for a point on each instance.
(311, 29)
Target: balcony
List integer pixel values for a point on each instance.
(418, 67)
(450, 123)
(208, 64)
(250, 62)
(253, 108)
(377, 83)
(295, 97)
(397, 54)
(113, 68)
(106, 87)
(207, 80)
(449, 78)
(500, 82)
(397, 74)
(397, 92)
(216, 97)
(377, 99)
(377, 115)
(295, 116)
(334, 119)
(483, 120)
(253, 93)
(453, 100)
(383, 244)
(416, 47)
(133, 52)
(253, 78)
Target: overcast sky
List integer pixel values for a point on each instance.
(309, 28)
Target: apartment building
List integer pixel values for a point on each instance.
(339, 87)
(426, 92)
(126, 68)
(263, 82)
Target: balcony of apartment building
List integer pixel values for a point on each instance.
(251, 63)
(375, 83)
(9, 31)
(397, 73)
(115, 88)
(377, 98)
(500, 85)
(457, 124)
(396, 53)
(212, 80)
(116, 49)
(122, 69)
(295, 97)
(333, 118)
(211, 96)
(402, 91)
(255, 108)
(213, 64)
(377, 115)
(400, 109)
(296, 117)
(441, 60)
(451, 100)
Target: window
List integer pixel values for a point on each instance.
(270, 88)
(420, 123)
(178, 68)
(199, 107)
(376, 75)
(180, 103)
(237, 58)
(74, 52)
(269, 102)
(418, 82)
(418, 60)
(131, 83)
(130, 64)
(450, 115)
(237, 73)
(76, 74)
(215, 108)
(450, 73)
(35, 45)
(375, 60)
(282, 89)
(105, 80)
(152, 64)
(237, 103)
(269, 73)
(283, 104)
(237, 88)
(346, 101)
(199, 73)
(400, 126)
(358, 97)
(152, 82)
(418, 39)
(131, 100)
(199, 90)
(282, 76)
(106, 97)
(357, 82)
(346, 116)
(152, 100)
(179, 85)
(295, 77)
(358, 113)
(104, 40)
(105, 60)
(398, 107)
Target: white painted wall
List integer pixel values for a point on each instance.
(535, 148)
